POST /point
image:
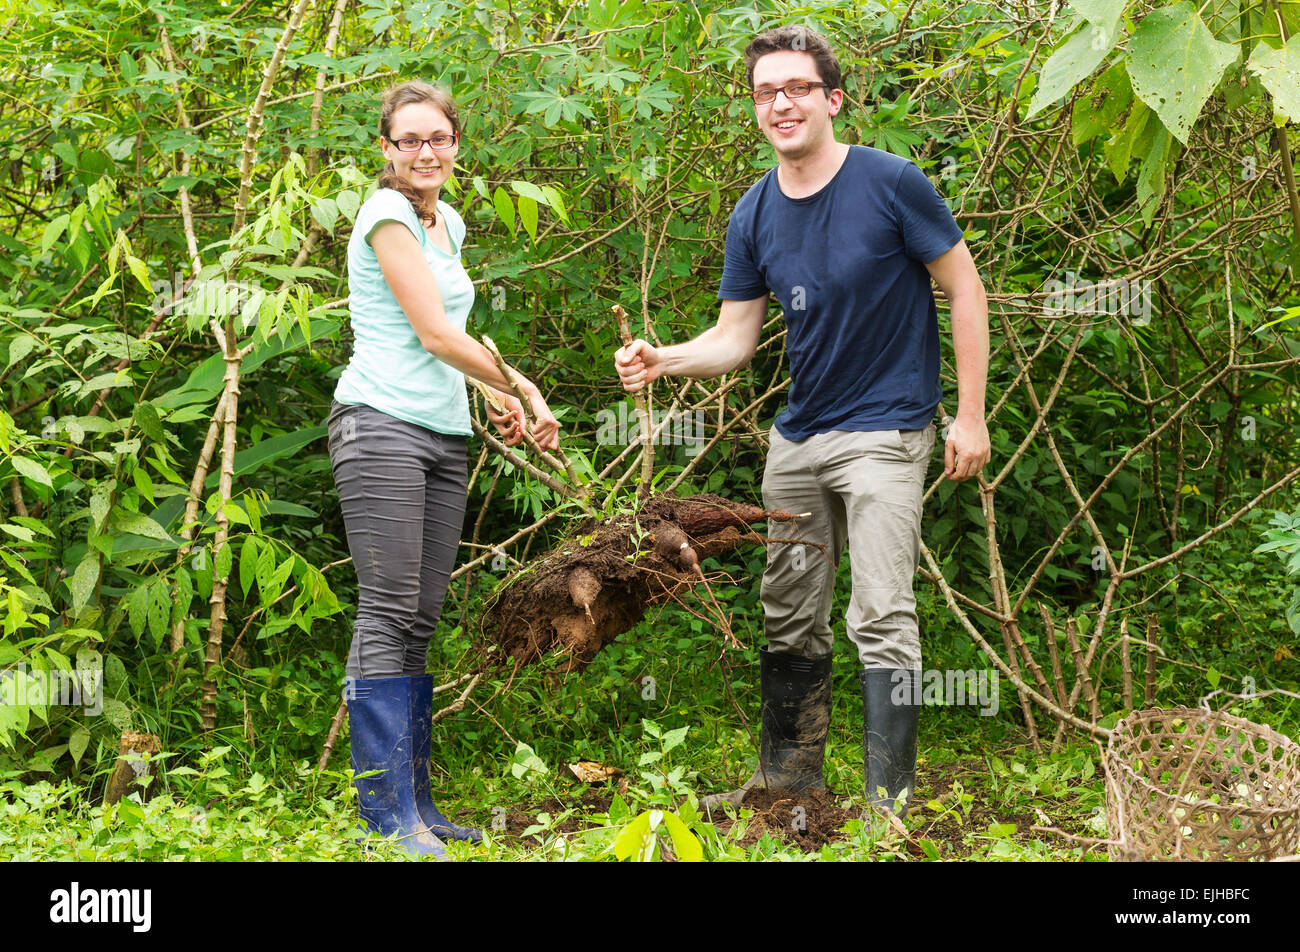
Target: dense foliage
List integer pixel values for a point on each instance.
(176, 200)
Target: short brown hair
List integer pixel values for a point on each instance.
(801, 40)
(404, 94)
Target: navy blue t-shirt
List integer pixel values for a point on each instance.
(848, 266)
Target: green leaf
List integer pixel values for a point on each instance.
(184, 593)
(20, 347)
(685, 845)
(52, 232)
(633, 840)
(254, 510)
(82, 581)
(248, 564)
(674, 738)
(1102, 12)
(1075, 60)
(101, 499)
(246, 462)
(1279, 71)
(556, 201)
(32, 470)
(505, 208)
(1100, 110)
(21, 533)
(526, 761)
(528, 216)
(146, 417)
(137, 523)
(348, 203)
(276, 583)
(221, 564)
(136, 609)
(1119, 148)
(1151, 176)
(1175, 63)
(528, 189)
(143, 483)
(265, 567)
(325, 212)
(141, 272)
(78, 742)
(160, 609)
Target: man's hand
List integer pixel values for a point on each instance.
(638, 363)
(967, 449)
(509, 424)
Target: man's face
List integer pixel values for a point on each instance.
(795, 127)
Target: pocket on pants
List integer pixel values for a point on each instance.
(917, 444)
(342, 430)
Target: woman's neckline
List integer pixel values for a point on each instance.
(454, 252)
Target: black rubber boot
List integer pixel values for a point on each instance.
(796, 717)
(890, 706)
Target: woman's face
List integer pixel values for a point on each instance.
(428, 169)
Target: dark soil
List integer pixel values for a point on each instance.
(808, 820)
(954, 833)
(812, 819)
(590, 802)
(598, 583)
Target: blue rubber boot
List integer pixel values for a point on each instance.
(381, 725)
(421, 739)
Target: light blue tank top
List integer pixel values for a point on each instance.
(390, 370)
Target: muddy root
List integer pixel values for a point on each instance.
(599, 582)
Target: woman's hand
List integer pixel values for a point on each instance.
(509, 424)
(546, 429)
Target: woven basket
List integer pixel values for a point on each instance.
(1190, 784)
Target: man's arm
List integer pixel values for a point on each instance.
(727, 345)
(967, 449)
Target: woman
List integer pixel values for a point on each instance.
(397, 440)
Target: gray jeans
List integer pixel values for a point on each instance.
(402, 488)
(863, 489)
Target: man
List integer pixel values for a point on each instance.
(847, 238)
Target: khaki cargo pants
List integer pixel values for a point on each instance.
(863, 489)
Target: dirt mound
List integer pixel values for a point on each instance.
(600, 580)
(808, 820)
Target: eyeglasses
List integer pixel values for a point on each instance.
(414, 144)
(792, 91)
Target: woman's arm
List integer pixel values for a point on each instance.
(407, 272)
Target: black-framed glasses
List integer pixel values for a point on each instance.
(415, 144)
(762, 97)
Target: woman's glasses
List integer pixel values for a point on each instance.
(414, 144)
